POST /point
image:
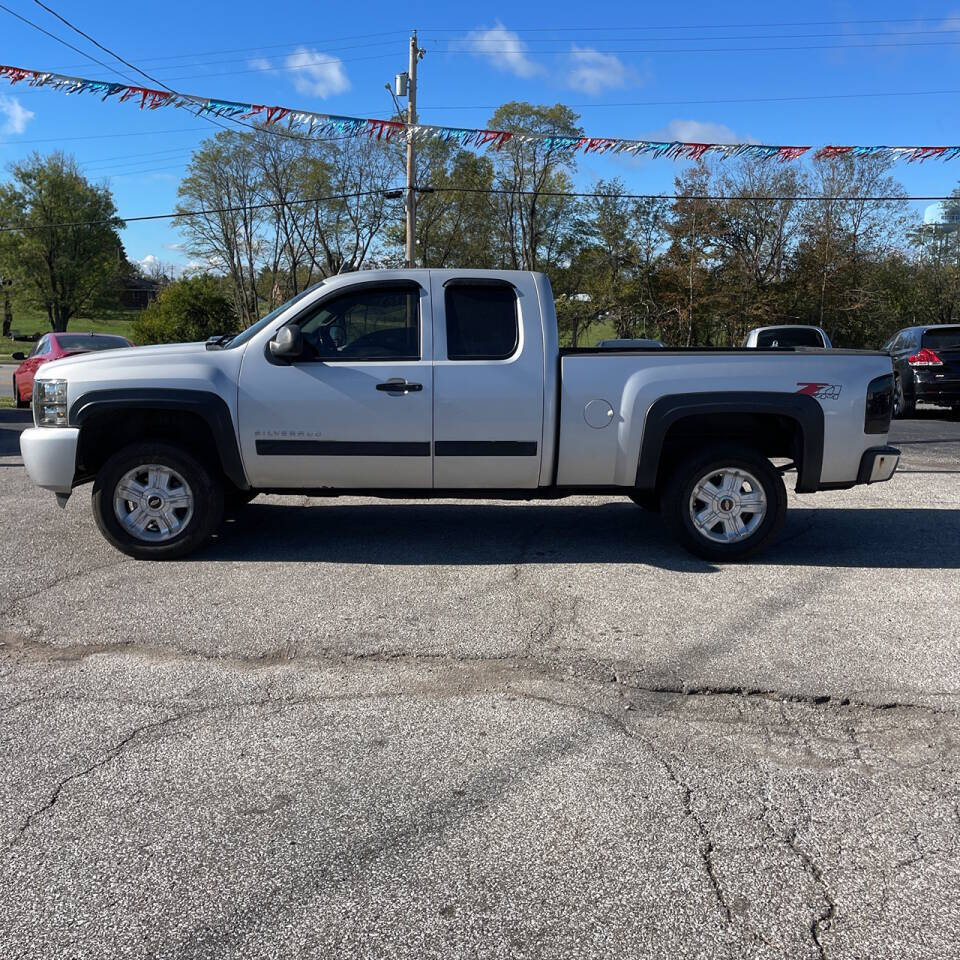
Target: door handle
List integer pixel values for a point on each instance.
(400, 386)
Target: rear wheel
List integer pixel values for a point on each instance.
(21, 404)
(901, 406)
(725, 503)
(156, 502)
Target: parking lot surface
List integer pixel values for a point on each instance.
(366, 728)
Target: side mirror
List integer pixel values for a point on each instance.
(19, 355)
(287, 344)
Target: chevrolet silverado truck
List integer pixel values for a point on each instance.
(451, 383)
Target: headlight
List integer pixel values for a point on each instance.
(50, 403)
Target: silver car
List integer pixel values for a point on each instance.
(788, 335)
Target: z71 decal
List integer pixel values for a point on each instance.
(820, 391)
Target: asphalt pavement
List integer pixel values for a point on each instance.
(6, 379)
(357, 728)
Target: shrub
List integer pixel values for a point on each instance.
(186, 310)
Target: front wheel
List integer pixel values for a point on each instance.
(20, 402)
(156, 502)
(725, 503)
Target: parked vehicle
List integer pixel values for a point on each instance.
(56, 346)
(634, 343)
(788, 335)
(450, 383)
(926, 367)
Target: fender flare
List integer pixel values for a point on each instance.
(209, 406)
(667, 411)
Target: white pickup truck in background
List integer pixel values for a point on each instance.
(450, 383)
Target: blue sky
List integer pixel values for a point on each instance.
(630, 70)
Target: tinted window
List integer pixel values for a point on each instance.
(377, 323)
(481, 322)
(86, 341)
(42, 347)
(790, 337)
(942, 338)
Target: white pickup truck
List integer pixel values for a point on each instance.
(450, 383)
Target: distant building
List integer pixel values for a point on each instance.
(943, 216)
(135, 293)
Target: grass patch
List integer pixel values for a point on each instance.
(119, 322)
(7, 403)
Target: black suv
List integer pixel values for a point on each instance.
(926, 366)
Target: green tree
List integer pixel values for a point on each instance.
(187, 310)
(533, 222)
(60, 269)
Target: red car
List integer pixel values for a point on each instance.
(55, 346)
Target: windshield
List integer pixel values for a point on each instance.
(90, 341)
(942, 339)
(254, 329)
(790, 337)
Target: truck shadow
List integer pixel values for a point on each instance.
(444, 533)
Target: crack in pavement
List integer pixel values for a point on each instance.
(58, 581)
(826, 916)
(111, 754)
(546, 668)
(705, 847)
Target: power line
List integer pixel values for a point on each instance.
(107, 136)
(259, 48)
(655, 50)
(702, 26)
(143, 73)
(484, 46)
(692, 103)
(479, 41)
(888, 198)
(53, 36)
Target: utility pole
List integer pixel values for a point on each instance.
(415, 54)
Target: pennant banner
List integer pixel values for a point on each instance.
(329, 126)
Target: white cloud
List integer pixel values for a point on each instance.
(502, 48)
(15, 117)
(698, 131)
(260, 63)
(317, 74)
(593, 71)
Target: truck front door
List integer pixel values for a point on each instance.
(356, 409)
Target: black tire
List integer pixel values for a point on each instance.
(902, 407)
(677, 508)
(205, 488)
(21, 404)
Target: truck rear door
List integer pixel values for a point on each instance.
(488, 381)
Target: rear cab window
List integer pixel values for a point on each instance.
(790, 337)
(942, 338)
(482, 321)
(86, 341)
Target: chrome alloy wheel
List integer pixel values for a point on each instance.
(153, 502)
(727, 505)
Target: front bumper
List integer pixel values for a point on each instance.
(50, 456)
(878, 464)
